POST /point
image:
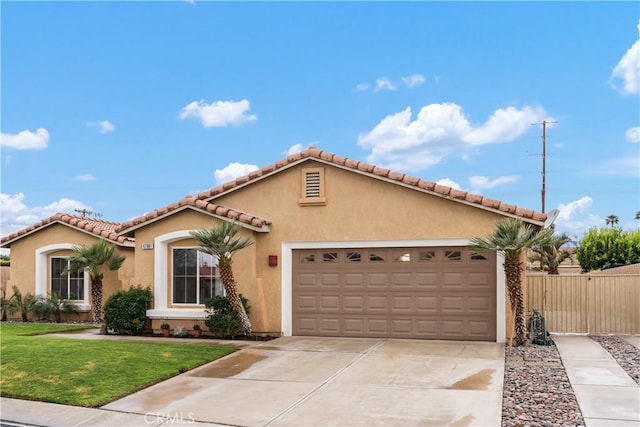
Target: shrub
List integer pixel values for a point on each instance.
(222, 320)
(54, 306)
(126, 311)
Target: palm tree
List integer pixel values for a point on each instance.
(220, 241)
(612, 220)
(94, 258)
(637, 217)
(550, 255)
(511, 239)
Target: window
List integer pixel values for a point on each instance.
(330, 257)
(453, 255)
(195, 276)
(313, 187)
(373, 257)
(67, 286)
(353, 257)
(426, 256)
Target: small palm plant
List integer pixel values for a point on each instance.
(221, 242)
(511, 239)
(95, 258)
(54, 306)
(24, 304)
(5, 305)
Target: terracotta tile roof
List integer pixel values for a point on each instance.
(99, 228)
(625, 269)
(378, 172)
(191, 202)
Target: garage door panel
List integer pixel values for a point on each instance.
(329, 280)
(353, 303)
(377, 280)
(354, 280)
(452, 304)
(307, 302)
(377, 303)
(329, 303)
(427, 304)
(402, 304)
(402, 280)
(428, 293)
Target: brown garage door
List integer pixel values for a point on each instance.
(433, 293)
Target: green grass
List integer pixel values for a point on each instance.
(85, 372)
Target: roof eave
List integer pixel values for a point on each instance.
(262, 229)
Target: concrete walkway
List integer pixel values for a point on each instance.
(606, 394)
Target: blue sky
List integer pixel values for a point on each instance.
(125, 107)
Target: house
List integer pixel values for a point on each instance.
(342, 248)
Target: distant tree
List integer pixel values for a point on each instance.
(608, 247)
(550, 255)
(95, 258)
(637, 215)
(512, 239)
(612, 220)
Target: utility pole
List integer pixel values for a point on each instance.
(544, 163)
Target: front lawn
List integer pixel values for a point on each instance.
(88, 372)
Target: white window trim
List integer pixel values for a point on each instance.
(42, 279)
(287, 273)
(161, 284)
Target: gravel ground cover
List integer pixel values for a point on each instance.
(627, 356)
(537, 391)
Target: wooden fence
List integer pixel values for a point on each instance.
(586, 304)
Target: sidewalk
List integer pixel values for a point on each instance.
(606, 394)
(29, 413)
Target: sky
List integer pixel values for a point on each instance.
(121, 108)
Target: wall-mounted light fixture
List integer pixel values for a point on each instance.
(273, 260)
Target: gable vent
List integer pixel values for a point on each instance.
(312, 185)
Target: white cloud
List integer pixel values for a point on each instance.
(16, 215)
(438, 130)
(233, 171)
(633, 134)
(414, 80)
(103, 126)
(575, 217)
(628, 70)
(384, 83)
(218, 113)
(484, 182)
(449, 183)
(85, 177)
(362, 86)
(505, 125)
(296, 148)
(26, 140)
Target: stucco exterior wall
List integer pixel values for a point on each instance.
(357, 208)
(24, 252)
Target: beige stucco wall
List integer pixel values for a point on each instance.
(23, 260)
(357, 208)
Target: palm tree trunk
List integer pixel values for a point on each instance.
(229, 283)
(513, 273)
(96, 300)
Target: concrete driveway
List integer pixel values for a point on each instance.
(309, 381)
